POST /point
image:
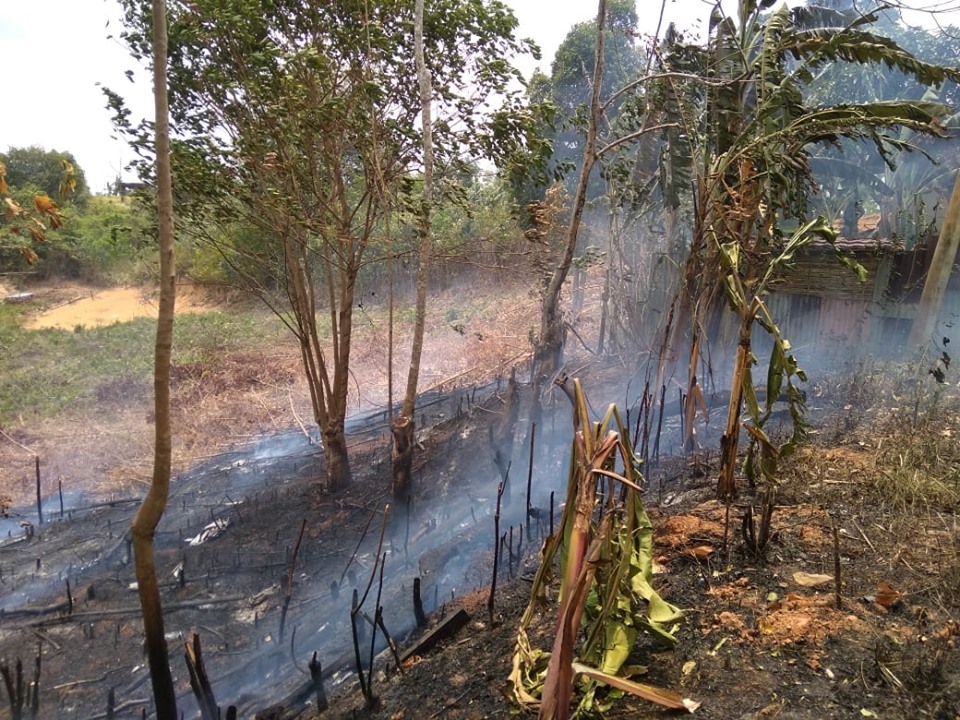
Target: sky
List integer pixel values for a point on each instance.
(58, 54)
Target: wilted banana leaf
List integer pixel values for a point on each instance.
(606, 568)
(666, 698)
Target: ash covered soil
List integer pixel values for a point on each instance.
(763, 637)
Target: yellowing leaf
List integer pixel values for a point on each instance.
(44, 204)
(69, 183)
(12, 208)
(660, 696)
(619, 642)
(29, 255)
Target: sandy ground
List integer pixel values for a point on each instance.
(94, 307)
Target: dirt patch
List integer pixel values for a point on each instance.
(93, 307)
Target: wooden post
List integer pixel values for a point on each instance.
(938, 275)
(496, 551)
(39, 499)
(418, 604)
(533, 436)
(291, 567)
(316, 674)
(837, 586)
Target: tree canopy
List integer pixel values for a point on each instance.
(302, 118)
(37, 169)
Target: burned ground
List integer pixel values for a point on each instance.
(763, 637)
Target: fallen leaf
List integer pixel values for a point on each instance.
(688, 667)
(701, 552)
(411, 661)
(660, 696)
(805, 579)
(887, 595)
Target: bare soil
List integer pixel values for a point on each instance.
(93, 307)
(764, 637)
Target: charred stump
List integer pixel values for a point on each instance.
(403, 430)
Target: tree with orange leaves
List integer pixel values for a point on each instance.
(22, 227)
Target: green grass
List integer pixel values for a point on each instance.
(44, 372)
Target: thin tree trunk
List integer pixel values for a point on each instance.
(939, 273)
(549, 350)
(328, 400)
(730, 441)
(335, 452)
(144, 526)
(404, 426)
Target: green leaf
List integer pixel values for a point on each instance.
(855, 266)
(619, 640)
(730, 255)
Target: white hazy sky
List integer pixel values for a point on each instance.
(56, 54)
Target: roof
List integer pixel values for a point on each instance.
(861, 245)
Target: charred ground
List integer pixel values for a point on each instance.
(763, 636)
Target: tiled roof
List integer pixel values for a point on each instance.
(860, 245)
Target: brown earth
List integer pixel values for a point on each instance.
(93, 307)
(763, 638)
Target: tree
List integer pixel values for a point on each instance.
(144, 525)
(43, 171)
(848, 172)
(298, 118)
(550, 341)
(570, 85)
(28, 211)
(403, 427)
(941, 268)
(751, 133)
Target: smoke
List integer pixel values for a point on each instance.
(225, 546)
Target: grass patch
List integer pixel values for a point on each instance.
(918, 466)
(43, 372)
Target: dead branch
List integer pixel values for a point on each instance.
(290, 570)
(199, 680)
(185, 605)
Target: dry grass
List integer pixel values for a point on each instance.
(244, 383)
(892, 472)
(919, 468)
(895, 439)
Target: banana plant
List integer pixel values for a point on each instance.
(605, 549)
(745, 292)
(751, 134)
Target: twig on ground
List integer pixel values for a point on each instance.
(297, 418)
(19, 445)
(862, 534)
